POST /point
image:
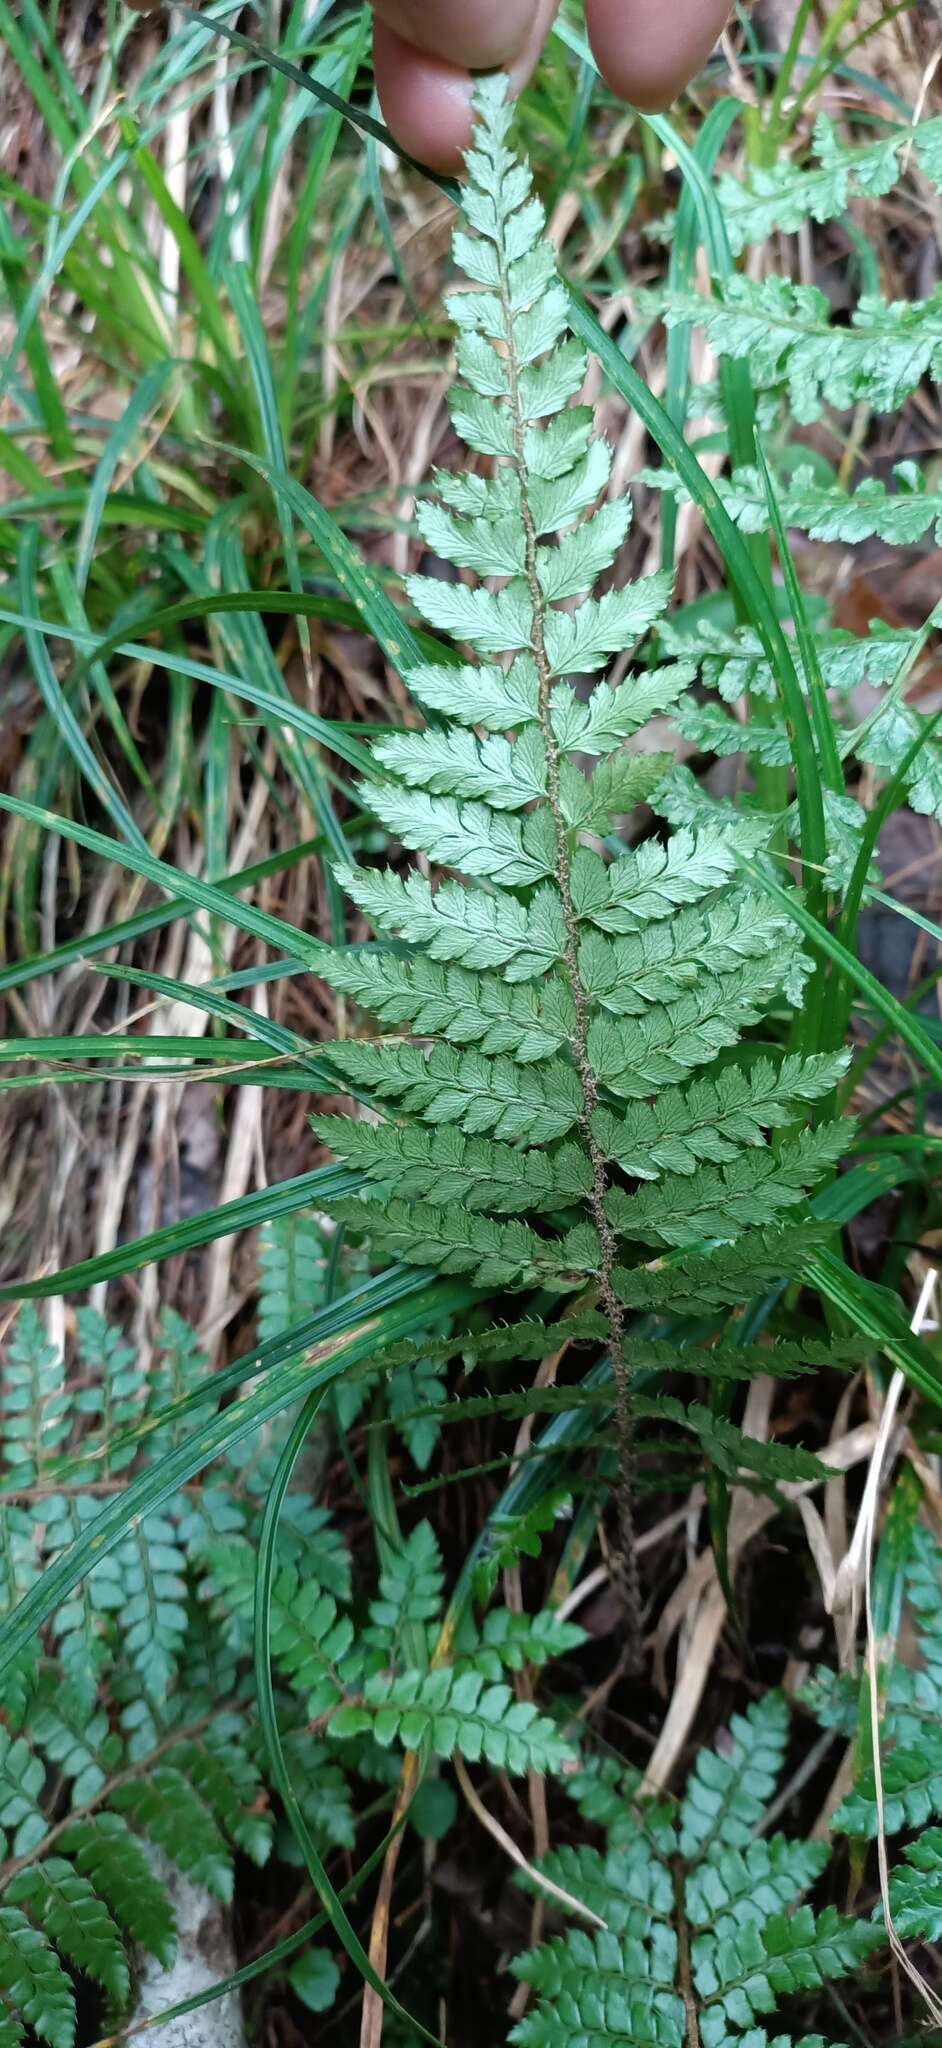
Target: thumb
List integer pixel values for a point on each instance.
(426, 96)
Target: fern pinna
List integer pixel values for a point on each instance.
(549, 1003)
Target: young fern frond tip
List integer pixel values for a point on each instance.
(557, 974)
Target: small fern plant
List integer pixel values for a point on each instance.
(707, 1939)
(556, 1073)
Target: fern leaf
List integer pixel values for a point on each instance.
(230, 1787)
(609, 717)
(700, 1282)
(410, 1591)
(462, 924)
(151, 1568)
(825, 512)
(455, 1241)
(662, 1046)
(742, 1977)
(449, 1002)
(81, 1745)
(416, 1395)
(912, 1790)
(714, 1119)
(171, 1812)
(311, 1642)
(34, 1411)
(291, 1263)
(446, 1167)
(504, 776)
(787, 194)
(34, 1988)
(727, 1794)
(721, 1201)
(497, 699)
(322, 1789)
(470, 837)
(449, 1086)
(102, 1849)
(456, 1710)
(67, 1909)
(754, 1882)
(511, 1642)
(916, 1889)
(118, 1391)
(650, 882)
(787, 334)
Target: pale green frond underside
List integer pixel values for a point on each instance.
(564, 1076)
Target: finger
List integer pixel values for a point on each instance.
(648, 49)
(427, 101)
(473, 35)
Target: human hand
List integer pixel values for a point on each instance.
(426, 50)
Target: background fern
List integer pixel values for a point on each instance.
(707, 1934)
(133, 1724)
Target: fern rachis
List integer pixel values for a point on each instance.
(581, 1007)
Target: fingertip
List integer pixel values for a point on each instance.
(470, 37)
(648, 52)
(426, 102)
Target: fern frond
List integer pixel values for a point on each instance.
(787, 334)
(649, 961)
(705, 1929)
(824, 511)
(786, 194)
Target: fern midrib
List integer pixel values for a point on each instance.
(627, 1563)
